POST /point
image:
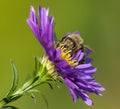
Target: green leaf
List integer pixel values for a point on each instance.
(14, 79)
(9, 107)
(37, 63)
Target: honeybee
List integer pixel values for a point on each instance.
(74, 42)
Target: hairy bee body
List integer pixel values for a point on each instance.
(73, 43)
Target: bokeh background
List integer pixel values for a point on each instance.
(99, 24)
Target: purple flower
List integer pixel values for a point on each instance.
(69, 56)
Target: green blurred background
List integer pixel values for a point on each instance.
(99, 24)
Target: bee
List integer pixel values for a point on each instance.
(74, 42)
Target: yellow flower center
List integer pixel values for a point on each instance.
(65, 54)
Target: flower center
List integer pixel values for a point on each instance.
(66, 54)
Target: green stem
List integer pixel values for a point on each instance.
(9, 99)
(19, 93)
(42, 76)
(2, 103)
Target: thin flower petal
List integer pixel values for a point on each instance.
(73, 94)
(84, 66)
(88, 102)
(91, 70)
(81, 57)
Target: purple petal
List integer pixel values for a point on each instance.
(43, 19)
(80, 57)
(88, 102)
(81, 66)
(91, 70)
(77, 32)
(76, 55)
(33, 27)
(88, 51)
(33, 15)
(70, 84)
(88, 60)
(33, 23)
(43, 30)
(73, 94)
